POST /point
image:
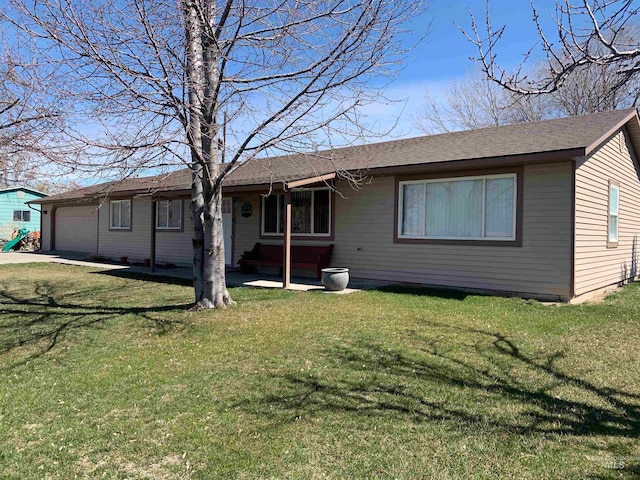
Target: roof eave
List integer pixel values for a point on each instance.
(482, 163)
(92, 197)
(26, 189)
(632, 116)
(65, 201)
(458, 164)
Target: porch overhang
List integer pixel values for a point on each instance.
(286, 244)
(310, 180)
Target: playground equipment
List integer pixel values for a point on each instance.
(23, 232)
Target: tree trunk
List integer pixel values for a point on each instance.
(198, 213)
(206, 193)
(215, 287)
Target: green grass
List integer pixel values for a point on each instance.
(104, 376)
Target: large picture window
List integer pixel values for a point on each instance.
(310, 213)
(614, 210)
(120, 214)
(169, 215)
(469, 208)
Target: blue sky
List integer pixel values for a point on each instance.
(444, 54)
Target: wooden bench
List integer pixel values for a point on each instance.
(302, 256)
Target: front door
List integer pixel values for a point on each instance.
(227, 227)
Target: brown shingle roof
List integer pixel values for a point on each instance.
(166, 182)
(558, 135)
(574, 135)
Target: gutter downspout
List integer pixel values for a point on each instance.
(40, 212)
(99, 209)
(572, 267)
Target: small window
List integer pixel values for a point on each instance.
(169, 215)
(310, 213)
(21, 216)
(614, 209)
(120, 214)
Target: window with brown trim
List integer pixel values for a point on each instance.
(310, 213)
(169, 215)
(481, 208)
(120, 214)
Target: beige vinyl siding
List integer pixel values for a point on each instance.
(45, 234)
(134, 243)
(171, 247)
(76, 228)
(597, 266)
(177, 246)
(541, 267)
(364, 229)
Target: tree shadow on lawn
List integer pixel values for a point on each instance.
(35, 325)
(421, 291)
(477, 379)
(147, 277)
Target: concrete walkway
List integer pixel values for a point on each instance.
(69, 259)
(234, 278)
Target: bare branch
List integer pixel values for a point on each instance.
(154, 80)
(591, 34)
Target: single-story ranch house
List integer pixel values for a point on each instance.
(548, 209)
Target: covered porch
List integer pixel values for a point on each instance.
(287, 227)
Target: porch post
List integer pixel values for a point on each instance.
(286, 257)
(152, 253)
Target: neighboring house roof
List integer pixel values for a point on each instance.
(13, 188)
(562, 138)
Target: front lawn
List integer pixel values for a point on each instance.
(104, 376)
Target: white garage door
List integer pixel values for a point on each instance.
(76, 228)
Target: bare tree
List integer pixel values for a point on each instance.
(480, 102)
(593, 38)
(163, 78)
(595, 88)
(28, 120)
(594, 68)
(476, 102)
